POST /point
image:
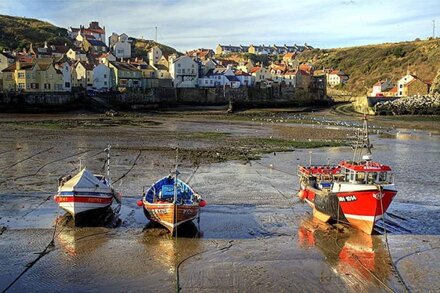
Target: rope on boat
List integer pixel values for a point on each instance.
(46, 164)
(131, 168)
(386, 242)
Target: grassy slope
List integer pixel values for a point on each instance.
(19, 32)
(368, 64)
(141, 48)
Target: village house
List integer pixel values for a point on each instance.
(125, 76)
(184, 71)
(76, 55)
(94, 46)
(245, 78)
(49, 51)
(120, 45)
(290, 78)
(260, 74)
(82, 75)
(38, 76)
(154, 55)
(225, 49)
(105, 58)
(201, 54)
(246, 66)
(411, 85)
(6, 59)
(219, 77)
(382, 88)
(66, 70)
(101, 77)
(161, 71)
(94, 30)
(261, 50)
(336, 77)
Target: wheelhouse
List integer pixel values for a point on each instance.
(366, 172)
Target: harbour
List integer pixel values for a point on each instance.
(254, 234)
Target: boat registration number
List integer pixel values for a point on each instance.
(347, 198)
(161, 211)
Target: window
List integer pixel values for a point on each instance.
(183, 71)
(360, 177)
(20, 75)
(67, 84)
(105, 83)
(178, 65)
(105, 75)
(21, 85)
(371, 177)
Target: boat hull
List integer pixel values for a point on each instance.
(81, 204)
(171, 215)
(361, 208)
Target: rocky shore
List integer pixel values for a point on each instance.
(416, 105)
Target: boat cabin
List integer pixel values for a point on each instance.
(364, 172)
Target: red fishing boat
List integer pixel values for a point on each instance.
(357, 192)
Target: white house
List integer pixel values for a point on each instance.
(120, 45)
(245, 78)
(336, 77)
(404, 81)
(101, 77)
(66, 70)
(184, 71)
(154, 55)
(219, 77)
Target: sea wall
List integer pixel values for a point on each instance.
(39, 102)
(275, 96)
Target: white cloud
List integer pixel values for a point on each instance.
(187, 24)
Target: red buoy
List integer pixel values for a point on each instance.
(139, 203)
(202, 203)
(302, 194)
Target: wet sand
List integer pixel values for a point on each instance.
(254, 235)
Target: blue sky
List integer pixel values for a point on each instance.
(188, 24)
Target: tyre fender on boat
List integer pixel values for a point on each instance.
(302, 194)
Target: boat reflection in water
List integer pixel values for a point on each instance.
(76, 241)
(167, 250)
(360, 260)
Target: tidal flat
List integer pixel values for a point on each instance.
(254, 235)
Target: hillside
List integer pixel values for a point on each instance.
(19, 32)
(141, 48)
(367, 64)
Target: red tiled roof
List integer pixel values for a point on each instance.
(289, 55)
(255, 69)
(241, 73)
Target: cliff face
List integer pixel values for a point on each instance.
(367, 64)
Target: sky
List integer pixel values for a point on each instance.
(190, 24)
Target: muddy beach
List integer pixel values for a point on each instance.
(254, 235)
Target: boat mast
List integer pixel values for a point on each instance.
(362, 141)
(107, 150)
(176, 173)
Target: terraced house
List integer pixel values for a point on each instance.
(37, 76)
(125, 75)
